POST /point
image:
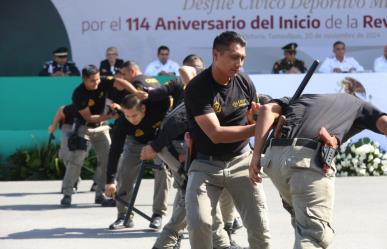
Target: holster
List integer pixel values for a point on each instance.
(328, 148)
(327, 155)
(76, 142)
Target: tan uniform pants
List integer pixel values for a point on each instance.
(100, 141)
(206, 181)
(308, 192)
(171, 231)
(128, 170)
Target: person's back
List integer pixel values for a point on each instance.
(341, 114)
(300, 158)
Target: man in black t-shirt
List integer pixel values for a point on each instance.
(294, 163)
(131, 72)
(135, 129)
(218, 102)
(89, 102)
(64, 118)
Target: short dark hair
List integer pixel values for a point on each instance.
(190, 59)
(89, 70)
(225, 39)
(338, 43)
(163, 47)
(130, 64)
(131, 101)
(264, 99)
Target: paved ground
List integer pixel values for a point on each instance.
(30, 217)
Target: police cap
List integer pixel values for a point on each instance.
(61, 52)
(290, 47)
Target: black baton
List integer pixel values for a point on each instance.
(305, 80)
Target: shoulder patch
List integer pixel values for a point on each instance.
(151, 80)
(138, 133)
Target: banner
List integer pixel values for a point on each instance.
(138, 28)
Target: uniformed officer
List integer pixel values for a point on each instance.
(218, 101)
(64, 118)
(131, 133)
(289, 64)
(172, 131)
(89, 101)
(131, 72)
(294, 162)
(60, 66)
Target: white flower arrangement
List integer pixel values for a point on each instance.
(363, 158)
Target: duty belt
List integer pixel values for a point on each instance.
(308, 143)
(226, 157)
(95, 125)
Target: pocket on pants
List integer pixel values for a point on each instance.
(265, 162)
(322, 215)
(298, 162)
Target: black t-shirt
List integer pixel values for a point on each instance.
(173, 127)
(94, 99)
(142, 82)
(146, 83)
(343, 115)
(230, 104)
(144, 132)
(116, 95)
(173, 88)
(70, 113)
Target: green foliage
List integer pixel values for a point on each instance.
(41, 163)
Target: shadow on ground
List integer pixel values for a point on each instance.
(42, 207)
(81, 233)
(35, 193)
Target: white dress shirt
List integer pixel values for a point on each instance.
(380, 64)
(155, 67)
(331, 63)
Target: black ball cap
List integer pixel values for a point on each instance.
(61, 52)
(290, 47)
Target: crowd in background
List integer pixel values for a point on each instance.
(339, 62)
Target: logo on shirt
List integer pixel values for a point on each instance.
(138, 133)
(151, 81)
(239, 103)
(90, 103)
(217, 107)
(101, 94)
(156, 125)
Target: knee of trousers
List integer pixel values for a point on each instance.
(320, 231)
(198, 223)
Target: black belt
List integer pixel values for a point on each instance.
(94, 125)
(300, 142)
(227, 157)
